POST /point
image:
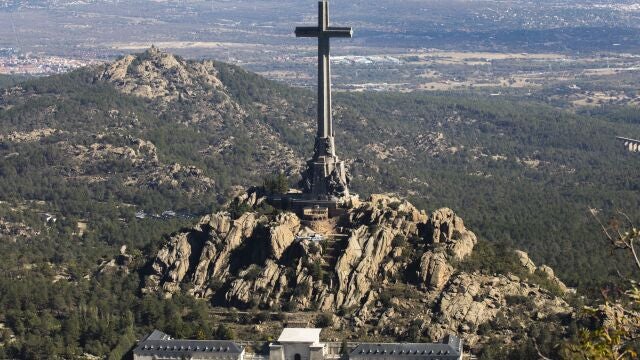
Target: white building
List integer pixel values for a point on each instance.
(298, 344)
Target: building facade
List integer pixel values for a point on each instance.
(293, 344)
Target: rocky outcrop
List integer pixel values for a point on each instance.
(395, 267)
(166, 78)
(29, 136)
(282, 233)
(359, 266)
(525, 261)
(470, 300)
(13, 231)
(379, 232)
(543, 270)
(265, 288)
(448, 228)
(548, 272)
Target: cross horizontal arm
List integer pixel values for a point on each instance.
(305, 31)
(346, 32)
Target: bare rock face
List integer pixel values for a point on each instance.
(171, 264)
(158, 74)
(266, 288)
(435, 270)
(449, 228)
(200, 254)
(444, 223)
(360, 263)
(282, 233)
(378, 232)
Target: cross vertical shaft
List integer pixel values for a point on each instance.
(325, 176)
(325, 121)
(324, 32)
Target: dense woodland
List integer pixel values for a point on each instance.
(55, 301)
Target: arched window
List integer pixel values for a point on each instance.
(297, 357)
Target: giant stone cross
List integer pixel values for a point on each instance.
(325, 176)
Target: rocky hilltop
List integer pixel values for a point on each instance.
(162, 76)
(385, 267)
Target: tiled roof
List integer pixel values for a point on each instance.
(158, 335)
(160, 343)
(448, 349)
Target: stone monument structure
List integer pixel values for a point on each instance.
(325, 177)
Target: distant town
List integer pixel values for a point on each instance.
(14, 62)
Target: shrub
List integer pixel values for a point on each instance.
(301, 289)
(399, 241)
(324, 320)
(385, 298)
(253, 273)
(279, 316)
(517, 299)
(261, 317)
(236, 210)
(290, 306)
(315, 270)
(225, 333)
(276, 184)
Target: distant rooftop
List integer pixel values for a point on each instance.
(159, 343)
(449, 349)
(302, 335)
(157, 335)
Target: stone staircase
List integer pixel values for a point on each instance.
(333, 247)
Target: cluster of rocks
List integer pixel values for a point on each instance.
(141, 158)
(29, 136)
(260, 260)
(12, 231)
